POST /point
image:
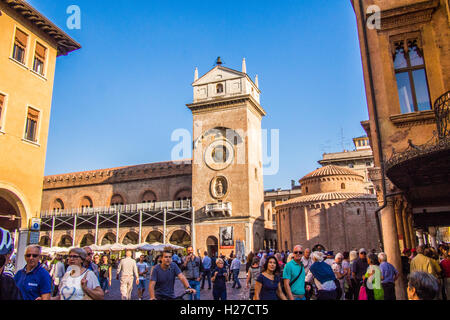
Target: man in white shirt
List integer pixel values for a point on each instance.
(127, 268)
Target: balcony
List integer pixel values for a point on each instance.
(127, 208)
(221, 209)
(422, 171)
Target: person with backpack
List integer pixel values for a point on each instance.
(322, 274)
(294, 276)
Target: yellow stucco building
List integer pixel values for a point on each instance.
(29, 46)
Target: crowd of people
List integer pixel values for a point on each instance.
(304, 274)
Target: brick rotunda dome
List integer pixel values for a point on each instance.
(332, 179)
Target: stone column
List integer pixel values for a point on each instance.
(433, 232)
(398, 206)
(412, 233)
(408, 242)
(419, 234)
(391, 246)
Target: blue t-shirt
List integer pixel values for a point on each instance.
(269, 287)
(388, 271)
(206, 263)
(165, 280)
(220, 281)
(291, 270)
(33, 284)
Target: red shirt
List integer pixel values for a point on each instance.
(445, 265)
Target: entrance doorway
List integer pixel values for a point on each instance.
(9, 216)
(212, 245)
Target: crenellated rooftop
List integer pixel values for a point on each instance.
(119, 174)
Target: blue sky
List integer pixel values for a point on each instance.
(117, 100)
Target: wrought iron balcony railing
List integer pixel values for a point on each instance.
(442, 112)
(438, 142)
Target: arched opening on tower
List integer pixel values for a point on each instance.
(11, 208)
(212, 245)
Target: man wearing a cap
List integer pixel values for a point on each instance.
(359, 269)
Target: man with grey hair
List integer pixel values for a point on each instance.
(33, 280)
(389, 275)
(422, 286)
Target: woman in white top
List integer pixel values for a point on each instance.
(79, 283)
(340, 272)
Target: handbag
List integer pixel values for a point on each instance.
(362, 293)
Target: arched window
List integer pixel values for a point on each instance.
(183, 195)
(149, 197)
(343, 186)
(306, 190)
(219, 88)
(57, 205)
(180, 238)
(131, 238)
(411, 76)
(154, 236)
(86, 202)
(117, 200)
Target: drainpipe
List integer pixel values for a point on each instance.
(377, 125)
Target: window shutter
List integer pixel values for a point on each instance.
(40, 51)
(21, 37)
(33, 114)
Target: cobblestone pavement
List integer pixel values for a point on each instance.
(205, 294)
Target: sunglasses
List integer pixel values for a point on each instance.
(73, 257)
(28, 255)
(298, 252)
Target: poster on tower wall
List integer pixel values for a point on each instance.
(226, 238)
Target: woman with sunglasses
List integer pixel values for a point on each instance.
(79, 283)
(268, 284)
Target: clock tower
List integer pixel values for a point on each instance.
(227, 172)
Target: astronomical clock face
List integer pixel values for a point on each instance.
(219, 155)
